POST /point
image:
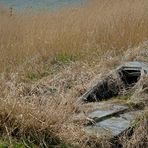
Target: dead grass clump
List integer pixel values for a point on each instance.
(139, 138)
(24, 118)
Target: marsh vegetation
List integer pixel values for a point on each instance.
(48, 58)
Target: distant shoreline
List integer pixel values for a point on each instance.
(40, 5)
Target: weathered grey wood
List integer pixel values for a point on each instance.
(110, 85)
(102, 114)
(116, 120)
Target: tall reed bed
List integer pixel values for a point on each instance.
(27, 37)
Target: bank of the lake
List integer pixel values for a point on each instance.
(40, 4)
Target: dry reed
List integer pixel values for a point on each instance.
(42, 37)
(97, 34)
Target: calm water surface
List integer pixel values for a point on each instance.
(40, 4)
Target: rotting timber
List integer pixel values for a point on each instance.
(124, 77)
(114, 119)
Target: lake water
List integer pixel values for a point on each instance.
(40, 4)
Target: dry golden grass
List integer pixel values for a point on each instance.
(43, 112)
(97, 34)
(32, 39)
